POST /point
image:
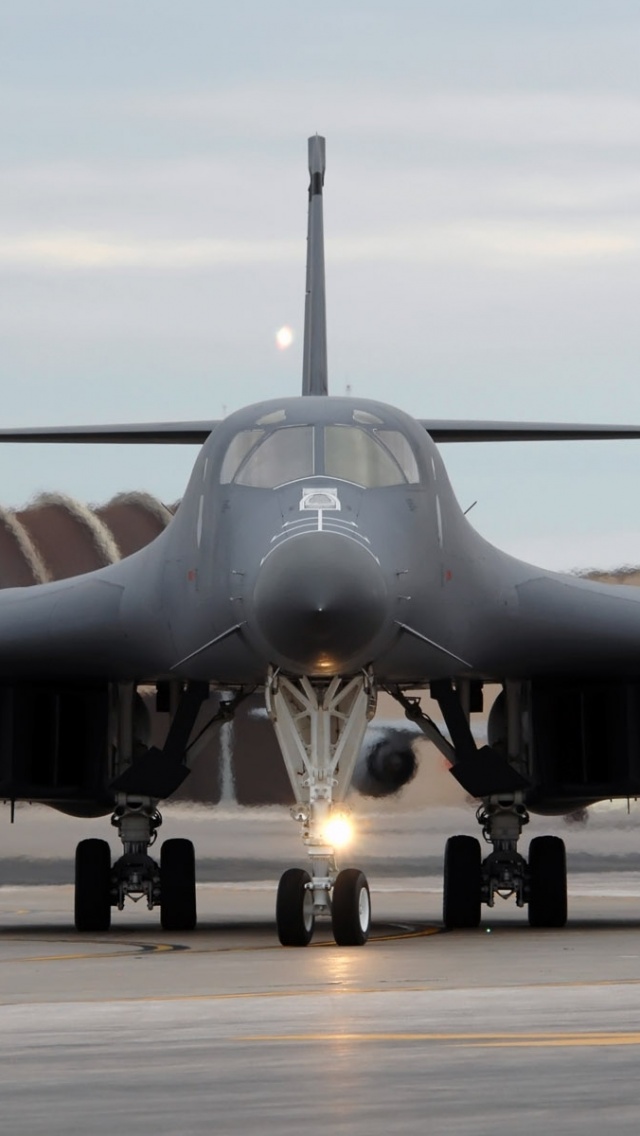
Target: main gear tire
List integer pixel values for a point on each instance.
(351, 908)
(462, 893)
(178, 886)
(295, 917)
(547, 882)
(92, 898)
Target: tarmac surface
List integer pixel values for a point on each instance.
(500, 1030)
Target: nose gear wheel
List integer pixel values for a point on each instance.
(351, 908)
(295, 917)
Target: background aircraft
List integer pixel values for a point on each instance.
(319, 555)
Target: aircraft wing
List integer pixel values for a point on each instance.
(184, 433)
(454, 430)
(440, 429)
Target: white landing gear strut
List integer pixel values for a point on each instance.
(320, 727)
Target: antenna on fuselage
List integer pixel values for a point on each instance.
(314, 357)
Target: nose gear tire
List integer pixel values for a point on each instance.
(547, 882)
(177, 886)
(93, 886)
(462, 895)
(351, 908)
(295, 918)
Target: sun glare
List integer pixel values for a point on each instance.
(284, 337)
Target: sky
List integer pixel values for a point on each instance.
(482, 213)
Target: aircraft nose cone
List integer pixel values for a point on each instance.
(320, 599)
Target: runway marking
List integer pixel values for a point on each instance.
(333, 991)
(131, 950)
(475, 1040)
(422, 933)
(552, 1042)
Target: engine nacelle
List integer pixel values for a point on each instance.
(386, 763)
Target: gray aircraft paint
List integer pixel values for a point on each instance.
(315, 379)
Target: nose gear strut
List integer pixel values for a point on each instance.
(320, 726)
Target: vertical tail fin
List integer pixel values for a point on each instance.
(314, 366)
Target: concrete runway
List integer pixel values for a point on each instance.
(222, 1031)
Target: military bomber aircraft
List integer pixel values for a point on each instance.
(319, 555)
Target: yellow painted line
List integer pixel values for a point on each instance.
(561, 1043)
(179, 948)
(422, 933)
(128, 951)
(232, 996)
(476, 1040)
(72, 958)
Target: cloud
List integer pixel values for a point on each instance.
(372, 113)
(511, 244)
(94, 251)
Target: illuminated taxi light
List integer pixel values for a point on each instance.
(338, 831)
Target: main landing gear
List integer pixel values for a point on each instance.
(320, 727)
(470, 881)
(169, 885)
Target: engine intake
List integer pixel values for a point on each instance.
(386, 763)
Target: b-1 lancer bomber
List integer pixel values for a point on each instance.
(319, 556)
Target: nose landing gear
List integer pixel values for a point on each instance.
(320, 727)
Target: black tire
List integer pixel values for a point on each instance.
(351, 908)
(462, 894)
(177, 886)
(92, 899)
(295, 918)
(547, 882)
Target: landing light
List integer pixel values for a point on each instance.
(338, 831)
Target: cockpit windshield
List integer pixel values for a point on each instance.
(283, 455)
(370, 457)
(354, 454)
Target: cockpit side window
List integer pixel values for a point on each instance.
(238, 450)
(285, 455)
(402, 452)
(353, 454)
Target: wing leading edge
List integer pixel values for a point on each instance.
(454, 430)
(177, 433)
